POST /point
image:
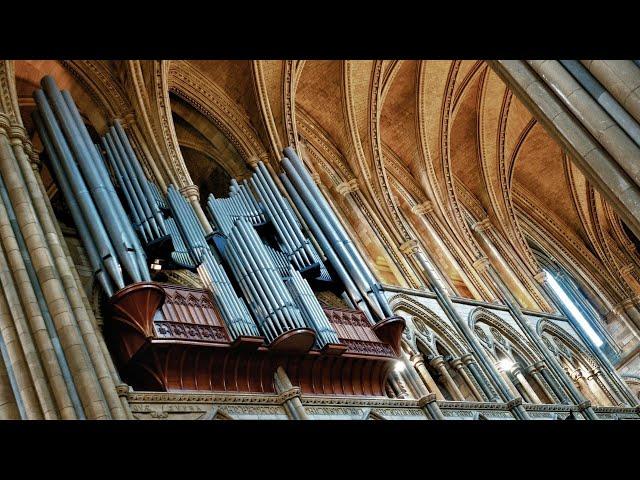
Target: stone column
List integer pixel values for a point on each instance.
(594, 162)
(621, 78)
(517, 373)
(460, 368)
(551, 381)
(425, 212)
(411, 249)
(537, 376)
(593, 117)
(470, 361)
(630, 309)
(418, 363)
(586, 389)
(430, 405)
(482, 230)
(290, 395)
(438, 364)
(596, 376)
(8, 407)
(193, 195)
(398, 386)
(73, 288)
(507, 380)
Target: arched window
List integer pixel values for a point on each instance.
(574, 311)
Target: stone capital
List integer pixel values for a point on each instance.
(289, 394)
(514, 403)
(626, 269)
(468, 358)
(539, 365)
(481, 264)
(122, 390)
(430, 398)
(345, 188)
(482, 225)
(423, 208)
(191, 191)
(541, 277)
(409, 247)
(457, 363)
(584, 405)
(437, 361)
(128, 119)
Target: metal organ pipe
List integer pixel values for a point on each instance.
(352, 290)
(331, 222)
(114, 225)
(74, 208)
(132, 183)
(142, 178)
(332, 237)
(62, 154)
(134, 205)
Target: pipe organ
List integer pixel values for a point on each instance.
(258, 310)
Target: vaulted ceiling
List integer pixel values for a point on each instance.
(449, 134)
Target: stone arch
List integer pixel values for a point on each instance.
(404, 303)
(572, 344)
(482, 315)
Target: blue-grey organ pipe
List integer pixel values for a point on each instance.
(604, 98)
(352, 290)
(234, 310)
(158, 197)
(335, 241)
(289, 217)
(255, 302)
(113, 224)
(264, 284)
(80, 191)
(311, 309)
(74, 208)
(134, 207)
(263, 262)
(141, 176)
(127, 163)
(251, 256)
(97, 161)
(286, 231)
(180, 252)
(117, 163)
(334, 223)
(251, 197)
(188, 224)
(283, 234)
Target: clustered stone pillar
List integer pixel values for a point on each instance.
(460, 367)
(439, 364)
(418, 364)
(290, 396)
(490, 393)
(534, 371)
(531, 395)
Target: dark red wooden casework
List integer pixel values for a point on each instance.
(172, 338)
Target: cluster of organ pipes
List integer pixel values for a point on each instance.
(259, 242)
